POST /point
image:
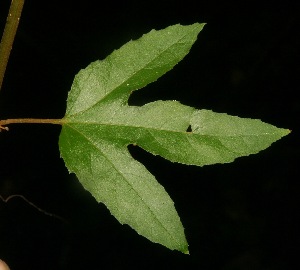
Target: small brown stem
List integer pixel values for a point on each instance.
(3, 123)
(9, 33)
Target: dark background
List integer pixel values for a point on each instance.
(236, 216)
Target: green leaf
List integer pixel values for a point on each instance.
(99, 125)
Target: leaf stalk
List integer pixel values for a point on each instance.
(4, 123)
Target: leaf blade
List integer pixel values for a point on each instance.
(214, 138)
(99, 125)
(132, 67)
(128, 190)
(160, 128)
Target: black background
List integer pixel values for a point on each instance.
(236, 216)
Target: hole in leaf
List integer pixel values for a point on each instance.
(189, 129)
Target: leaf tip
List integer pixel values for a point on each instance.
(184, 248)
(285, 132)
(199, 26)
(186, 252)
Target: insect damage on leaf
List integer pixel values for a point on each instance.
(99, 125)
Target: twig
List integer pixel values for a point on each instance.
(9, 33)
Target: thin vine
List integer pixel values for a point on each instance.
(7, 40)
(6, 44)
(9, 34)
(31, 204)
